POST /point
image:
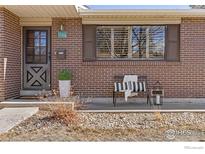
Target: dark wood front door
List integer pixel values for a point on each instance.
(36, 58)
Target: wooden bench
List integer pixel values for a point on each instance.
(140, 79)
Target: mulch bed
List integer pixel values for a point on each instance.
(111, 127)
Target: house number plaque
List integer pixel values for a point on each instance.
(62, 34)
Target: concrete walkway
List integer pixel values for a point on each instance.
(13, 103)
(10, 117)
(139, 105)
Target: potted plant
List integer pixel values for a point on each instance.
(64, 82)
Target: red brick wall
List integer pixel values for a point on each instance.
(180, 79)
(10, 44)
(73, 46)
(1, 53)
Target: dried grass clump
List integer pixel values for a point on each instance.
(158, 116)
(53, 96)
(65, 114)
(62, 110)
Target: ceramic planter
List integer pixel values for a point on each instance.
(64, 87)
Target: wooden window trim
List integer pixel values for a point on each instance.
(177, 52)
(130, 45)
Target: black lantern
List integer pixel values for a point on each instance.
(157, 93)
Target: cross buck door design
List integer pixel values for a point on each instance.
(37, 58)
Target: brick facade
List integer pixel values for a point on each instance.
(95, 79)
(10, 52)
(1, 53)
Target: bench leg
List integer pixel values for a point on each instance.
(148, 99)
(114, 98)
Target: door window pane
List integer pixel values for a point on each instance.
(43, 59)
(37, 59)
(43, 34)
(37, 51)
(37, 34)
(36, 42)
(36, 47)
(29, 51)
(29, 59)
(43, 42)
(43, 50)
(30, 42)
(30, 34)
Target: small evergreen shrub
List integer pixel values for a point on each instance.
(64, 75)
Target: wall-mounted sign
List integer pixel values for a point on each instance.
(61, 54)
(62, 34)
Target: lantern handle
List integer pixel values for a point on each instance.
(157, 83)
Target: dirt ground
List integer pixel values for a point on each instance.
(42, 127)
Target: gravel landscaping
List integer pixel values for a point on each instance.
(42, 126)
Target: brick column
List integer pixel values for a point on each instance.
(10, 55)
(1, 53)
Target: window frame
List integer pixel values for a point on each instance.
(129, 57)
(26, 40)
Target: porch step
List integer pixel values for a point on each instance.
(16, 103)
(33, 93)
(29, 97)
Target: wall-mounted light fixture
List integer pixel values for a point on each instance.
(61, 33)
(61, 27)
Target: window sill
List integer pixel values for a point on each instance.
(130, 59)
(131, 62)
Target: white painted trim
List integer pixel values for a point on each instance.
(147, 12)
(36, 21)
(129, 20)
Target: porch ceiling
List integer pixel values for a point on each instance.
(144, 13)
(137, 16)
(42, 11)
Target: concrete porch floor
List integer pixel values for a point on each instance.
(140, 105)
(133, 105)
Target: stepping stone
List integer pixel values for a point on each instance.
(10, 117)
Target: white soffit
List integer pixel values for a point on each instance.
(36, 21)
(137, 16)
(151, 12)
(124, 20)
(43, 11)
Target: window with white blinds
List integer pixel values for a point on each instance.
(120, 42)
(103, 43)
(139, 42)
(156, 41)
(112, 41)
